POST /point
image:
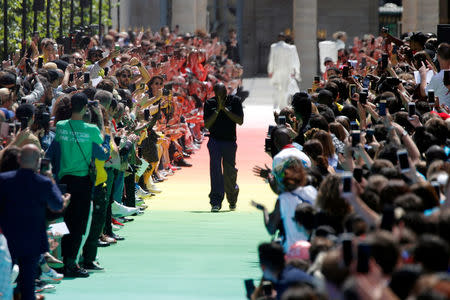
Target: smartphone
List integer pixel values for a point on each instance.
(366, 82)
(402, 156)
(106, 71)
(267, 288)
(384, 61)
(411, 110)
(71, 77)
(363, 98)
(357, 174)
(316, 79)
(165, 92)
(117, 47)
(363, 62)
(362, 265)
(446, 77)
(347, 183)
(369, 135)
(387, 221)
(79, 74)
(249, 287)
(347, 251)
(40, 62)
(45, 165)
(354, 125)
(352, 90)
(146, 114)
(282, 120)
(86, 78)
(382, 108)
(356, 138)
(431, 96)
(345, 72)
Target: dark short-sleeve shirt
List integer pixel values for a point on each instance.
(24, 198)
(224, 128)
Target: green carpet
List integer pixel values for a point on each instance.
(176, 255)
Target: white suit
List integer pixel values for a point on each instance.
(283, 65)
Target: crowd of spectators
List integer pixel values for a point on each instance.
(104, 120)
(361, 169)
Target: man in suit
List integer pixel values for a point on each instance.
(284, 66)
(24, 197)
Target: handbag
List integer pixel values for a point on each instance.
(91, 165)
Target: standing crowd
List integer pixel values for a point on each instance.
(89, 126)
(361, 169)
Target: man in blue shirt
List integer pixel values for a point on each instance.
(24, 197)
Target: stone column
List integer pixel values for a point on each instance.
(305, 31)
(189, 14)
(420, 15)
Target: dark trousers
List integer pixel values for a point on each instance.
(130, 190)
(222, 154)
(28, 266)
(76, 215)
(97, 223)
(112, 174)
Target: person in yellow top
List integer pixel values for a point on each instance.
(100, 154)
(49, 50)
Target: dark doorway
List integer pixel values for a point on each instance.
(262, 21)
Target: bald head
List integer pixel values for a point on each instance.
(29, 157)
(281, 137)
(220, 90)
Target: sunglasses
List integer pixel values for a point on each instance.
(125, 76)
(79, 58)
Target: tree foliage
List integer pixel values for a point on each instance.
(14, 17)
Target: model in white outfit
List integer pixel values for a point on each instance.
(284, 65)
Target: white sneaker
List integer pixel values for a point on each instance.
(116, 227)
(140, 192)
(152, 188)
(119, 210)
(51, 276)
(14, 274)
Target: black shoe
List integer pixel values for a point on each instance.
(93, 266)
(232, 207)
(215, 208)
(117, 237)
(102, 244)
(183, 163)
(125, 219)
(75, 271)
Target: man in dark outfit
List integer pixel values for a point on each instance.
(221, 114)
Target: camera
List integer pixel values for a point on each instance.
(392, 81)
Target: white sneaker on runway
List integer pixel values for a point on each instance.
(119, 210)
(51, 276)
(140, 192)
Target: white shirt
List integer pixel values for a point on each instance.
(440, 90)
(288, 203)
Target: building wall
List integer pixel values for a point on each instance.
(262, 20)
(420, 15)
(189, 14)
(305, 30)
(356, 17)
